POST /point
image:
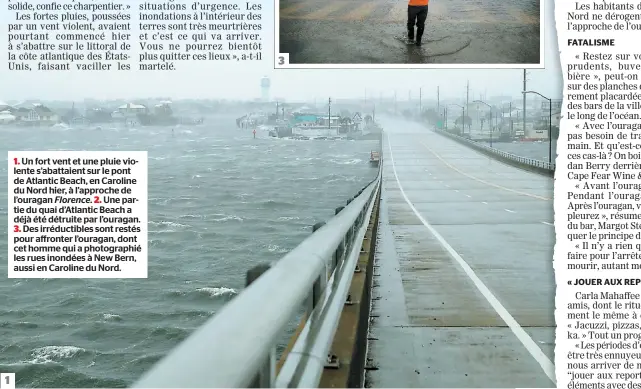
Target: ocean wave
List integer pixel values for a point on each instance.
(189, 216)
(271, 204)
(168, 224)
(154, 242)
(73, 300)
(344, 179)
(179, 314)
(216, 292)
(287, 218)
(18, 325)
(346, 162)
(111, 317)
(274, 248)
(209, 292)
(49, 354)
(221, 217)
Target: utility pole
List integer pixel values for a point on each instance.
(445, 115)
(395, 105)
(467, 102)
(438, 99)
(511, 126)
(329, 114)
(524, 97)
(420, 102)
(467, 95)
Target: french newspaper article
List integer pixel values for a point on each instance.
(320, 193)
(597, 197)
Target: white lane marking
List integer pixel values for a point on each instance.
(469, 196)
(447, 185)
(549, 224)
(509, 210)
(456, 190)
(521, 335)
(485, 202)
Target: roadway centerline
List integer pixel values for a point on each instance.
(509, 210)
(483, 181)
(525, 339)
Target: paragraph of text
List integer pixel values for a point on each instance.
(598, 197)
(104, 35)
(77, 214)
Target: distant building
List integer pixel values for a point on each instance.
(163, 108)
(98, 115)
(129, 113)
(5, 107)
(302, 118)
(6, 117)
(536, 133)
(556, 106)
(130, 109)
(37, 115)
(545, 119)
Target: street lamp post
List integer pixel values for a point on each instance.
(462, 107)
(445, 111)
(491, 124)
(549, 123)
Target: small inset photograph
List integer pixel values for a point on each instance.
(409, 33)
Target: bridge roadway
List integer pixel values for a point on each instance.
(464, 285)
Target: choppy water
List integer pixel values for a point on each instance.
(219, 202)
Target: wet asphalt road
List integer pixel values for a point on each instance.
(371, 32)
(433, 327)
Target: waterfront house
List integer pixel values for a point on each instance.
(35, 115)
(6, 117)
(129, 113)
(131, 109)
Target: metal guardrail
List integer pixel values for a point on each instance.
(236, 348)
(517, 158)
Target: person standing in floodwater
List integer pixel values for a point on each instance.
(416, 15)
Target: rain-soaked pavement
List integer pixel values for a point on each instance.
(372, 32)
(485, 225)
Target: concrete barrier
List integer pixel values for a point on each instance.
(530, 164)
